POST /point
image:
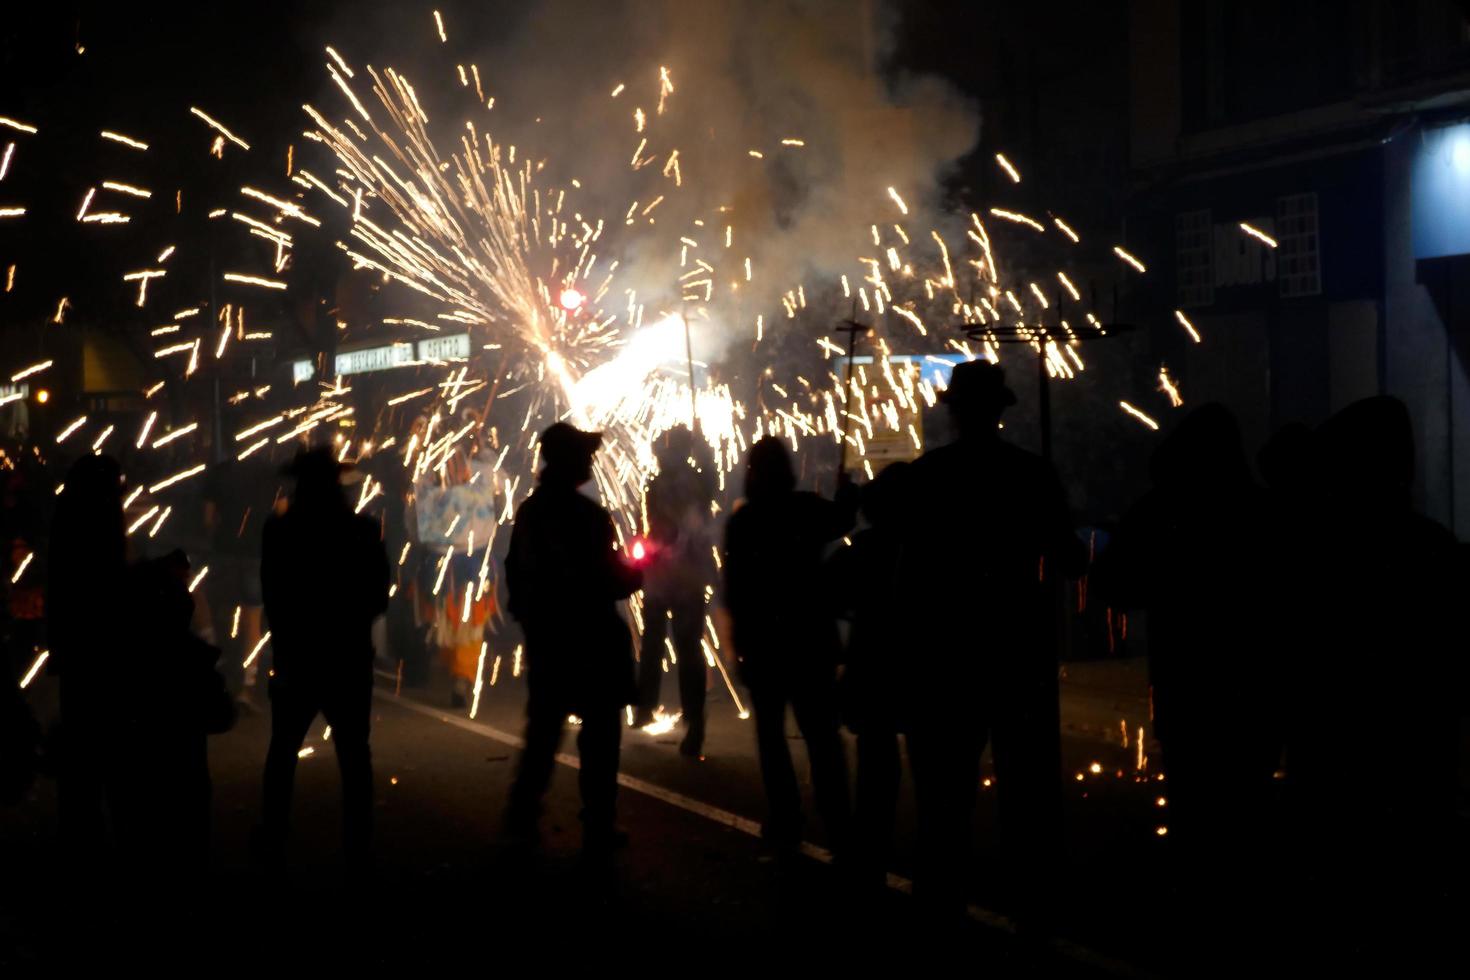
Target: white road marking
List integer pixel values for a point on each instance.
(898, 883)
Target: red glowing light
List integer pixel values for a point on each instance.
(571, 299)
(639, 551)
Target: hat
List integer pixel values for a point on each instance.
(675, 443)
(978, 383)
(563, 444)
(316, 464)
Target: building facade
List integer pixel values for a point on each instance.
(1342, 132)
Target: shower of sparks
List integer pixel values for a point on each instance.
(486, 248)
(73, 427)
(1142, 417)
(1258, 234)
(1189, 327)
(108, 134)
(255, 652)
(40, 662)
(1019, 219)
(34, 369)
(219, 127)
(1010, 169)
(176, 478)
(1128, 257)
(1168, 387)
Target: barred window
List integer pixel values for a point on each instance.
(1298, 253)
(1194, 258)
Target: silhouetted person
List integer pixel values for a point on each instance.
(991, 536)
(1287, 620)
(84, 604)
(1373, 754)
(564, 580)
(679, 567)
(177, 701)
(1192, 552)
(785, 637)
(876, 688)
(324, 579)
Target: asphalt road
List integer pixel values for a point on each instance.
(694, 885)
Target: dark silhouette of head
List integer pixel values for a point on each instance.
(976, 397)
(318, 478)
(1203, 455)
(675, 446)
(1285, 461)
(162, 583)
(768, 470)
(88, 525)
(882, 499)
(1366, 451)
(567, 453)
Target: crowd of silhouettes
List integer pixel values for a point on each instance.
(1299, 649)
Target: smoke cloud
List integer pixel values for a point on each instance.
(745, 76)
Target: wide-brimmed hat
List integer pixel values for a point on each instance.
(318, 464)
(563, 444)
(978, 383)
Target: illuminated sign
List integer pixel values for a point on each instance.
(1440, 193)
(455, 346)
(445, 348)
(374, 359)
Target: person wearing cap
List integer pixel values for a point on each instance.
(680, 566)
(324, 579)
(564, 578)
(988, 536)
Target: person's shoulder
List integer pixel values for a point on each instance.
(738, 518)
(592, 511)
(1011, 454)
(529, 506)
(366, 526)
(1426, 532)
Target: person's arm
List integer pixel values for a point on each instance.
(1065, 551)
(738, 585)
(270, 571)
(843, 577)
(515, 573)
(621, 578)
(381, 574)
(1120, 575)
(844, 506)
(834, 518)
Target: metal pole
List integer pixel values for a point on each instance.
(689, 360)
(1044, 402)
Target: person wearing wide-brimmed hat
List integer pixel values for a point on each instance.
(564, 579)
(324, 578)
(989, 535)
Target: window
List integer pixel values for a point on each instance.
(1194, 258)
(1298, 254)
